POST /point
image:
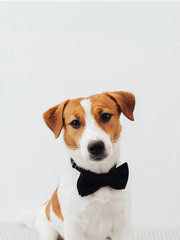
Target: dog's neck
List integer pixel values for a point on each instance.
(94, 166)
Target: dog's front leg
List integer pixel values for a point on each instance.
(73, 231)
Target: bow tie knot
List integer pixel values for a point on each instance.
(106, 179)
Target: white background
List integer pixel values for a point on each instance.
(50, 52)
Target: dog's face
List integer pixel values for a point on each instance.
(91, 126)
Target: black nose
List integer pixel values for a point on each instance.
(96, 148)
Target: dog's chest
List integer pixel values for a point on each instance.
(98, 219)
(95, 214)
(101, 213)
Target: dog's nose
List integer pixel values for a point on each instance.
(96, 148)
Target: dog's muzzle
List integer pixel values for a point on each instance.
(97, 150)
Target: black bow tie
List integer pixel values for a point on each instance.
(89, 182)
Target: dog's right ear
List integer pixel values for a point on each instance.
(53, 117)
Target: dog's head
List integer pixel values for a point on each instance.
(91, 127)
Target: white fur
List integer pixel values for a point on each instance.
(102, 215)
(93, 132)
(46, 229)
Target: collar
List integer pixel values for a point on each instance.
(82, 170)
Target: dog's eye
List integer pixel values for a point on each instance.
(75, 124)
(105, 117)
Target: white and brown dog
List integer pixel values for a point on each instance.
(91, 133)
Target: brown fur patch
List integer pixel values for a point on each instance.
(101, 103)
(53, 117)
(55, 207)
(48, 210)
(73, 111)
(125, 102)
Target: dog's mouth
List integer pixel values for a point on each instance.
(98, 158)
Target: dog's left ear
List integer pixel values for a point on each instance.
(54, 118)
(125, 102)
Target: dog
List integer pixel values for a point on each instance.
(87, 204)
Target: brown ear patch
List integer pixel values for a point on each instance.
(53, 117)
(125, 102)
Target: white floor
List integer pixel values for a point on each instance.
(14, 231)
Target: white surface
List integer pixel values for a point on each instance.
(18, 232)
(53, 51)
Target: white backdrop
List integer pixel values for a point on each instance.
(54, 51)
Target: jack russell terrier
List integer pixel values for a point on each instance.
(92, 201)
